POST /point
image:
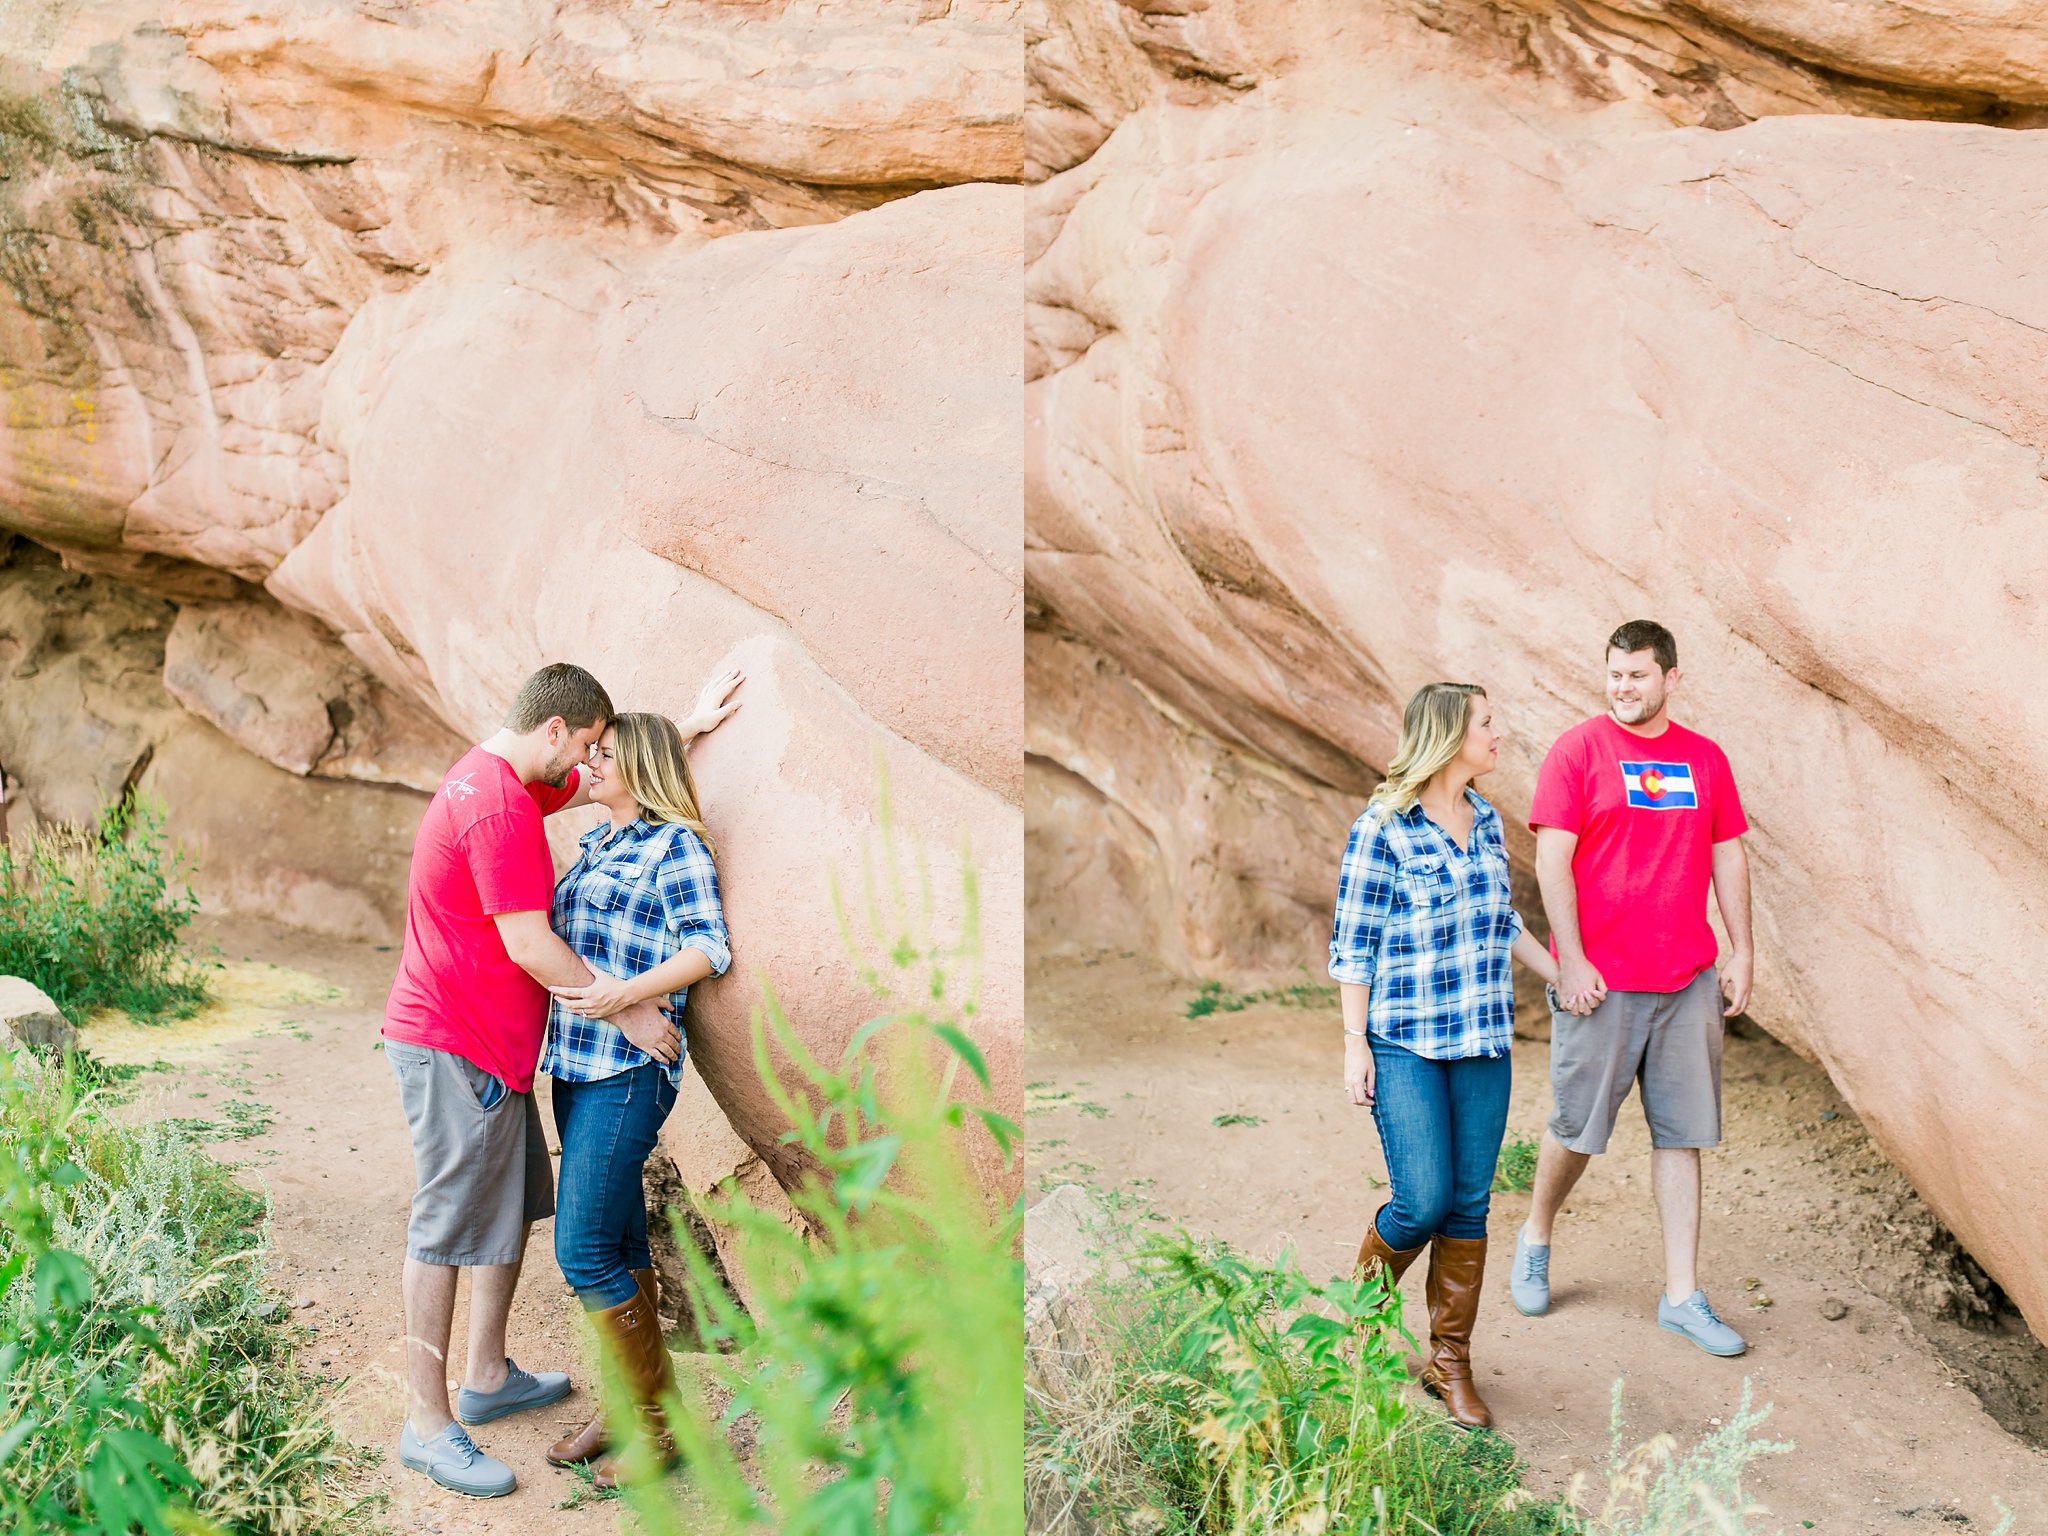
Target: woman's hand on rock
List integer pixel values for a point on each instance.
(714, 702)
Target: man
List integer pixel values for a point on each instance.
(462, 1030)
(1634, 817)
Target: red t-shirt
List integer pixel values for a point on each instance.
(481, 850)
(1647, 811)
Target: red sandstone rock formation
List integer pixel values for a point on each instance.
(1364, 358)
(382, 355)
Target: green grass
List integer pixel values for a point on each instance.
(1217, 998)
(1042, 1098)
(1236, 1117)
(93, 917)
(1515, 1173)
(1211, 1395)
(239, 1120)
(143, 1385)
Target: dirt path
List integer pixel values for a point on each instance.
(337, 1165)
(1126, 1090)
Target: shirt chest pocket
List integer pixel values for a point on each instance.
(611, 890)
(1427, 881)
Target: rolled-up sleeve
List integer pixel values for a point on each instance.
(1365, 895)
(689, 900)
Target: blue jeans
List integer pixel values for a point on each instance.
(1440, 1125)
(607, 1129)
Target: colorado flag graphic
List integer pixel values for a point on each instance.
(1659, 786)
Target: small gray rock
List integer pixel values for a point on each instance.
(1834, 1309)
(28, 1017)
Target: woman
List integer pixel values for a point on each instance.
(641, 907)
(1424, 929)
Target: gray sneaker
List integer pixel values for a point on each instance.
(1695, 1319)
(452, 1460)
(1529, 1281)
(522, 1389)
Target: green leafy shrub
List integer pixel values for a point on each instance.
(142, 1386)
(1515, 1172)
(1220, 1395)
(1202, 1393)
(879, 1370)
(93, 917)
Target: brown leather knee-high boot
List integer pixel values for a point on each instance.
(594, 1438)
(1456, 1266)
(650, 1375)
(1374, 1250)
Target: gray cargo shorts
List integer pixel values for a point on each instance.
(1668, 1041)
(482, 1174)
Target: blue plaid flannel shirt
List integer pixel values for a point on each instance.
(631, 900)
(1427, 926)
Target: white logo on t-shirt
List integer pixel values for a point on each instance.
(461, 788)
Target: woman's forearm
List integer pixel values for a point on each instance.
(685, 968)
(1534, 956)
(1354, 996)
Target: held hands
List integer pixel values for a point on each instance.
(1580, 988)
(715, 702)
(650, 1029)
(598, 999)
(1358, 1071)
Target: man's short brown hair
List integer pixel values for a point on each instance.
(559, 688)
(1645, 635)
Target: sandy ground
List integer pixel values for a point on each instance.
(1890, 1437)
(337, 1165)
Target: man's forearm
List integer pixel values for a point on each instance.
(1561, 906)
(1731, 892)
(555, 965)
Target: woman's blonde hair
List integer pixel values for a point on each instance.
(1433, 728)
(647, 752)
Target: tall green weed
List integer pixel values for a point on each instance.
(93, 916)
(879, 1370)
(1655, 1489)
